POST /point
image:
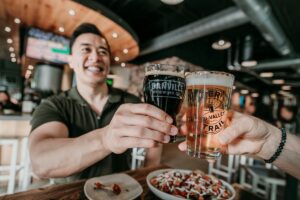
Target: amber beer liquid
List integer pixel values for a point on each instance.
(164, 87)
(208, 99)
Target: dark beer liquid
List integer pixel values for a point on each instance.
(166, 92)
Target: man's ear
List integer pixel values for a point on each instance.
(70, 61)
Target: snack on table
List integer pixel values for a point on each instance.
(115, 188)
(193, 185)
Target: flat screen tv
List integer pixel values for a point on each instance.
(47, 46)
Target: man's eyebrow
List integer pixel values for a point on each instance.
(99, 47)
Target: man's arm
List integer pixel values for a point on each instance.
(53, 154)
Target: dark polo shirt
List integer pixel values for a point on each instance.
(72, 110)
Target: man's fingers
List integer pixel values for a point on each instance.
(131, 142)
(147, 109)
(182, 146)
(149, 122)
(143, 133)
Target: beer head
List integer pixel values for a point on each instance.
(210, 78)
(165, 69)
(159, 72)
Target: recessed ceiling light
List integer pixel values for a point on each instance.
(123, 64)
(286, 87)
(61, 29)
(12, 55)
(249, 63)
(11, 49)
(244, 91)
(172, 2)
(117, 58)
(125, 51)
(9, 41)
(266, 74)
(221, 44)
(255, 94)
(7, 29)
(278, 81)
(114, 35)
(13, 60)
(72, 12)
(17, 20)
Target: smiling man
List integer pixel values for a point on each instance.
(89, 130)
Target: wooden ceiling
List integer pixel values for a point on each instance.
(49, 15)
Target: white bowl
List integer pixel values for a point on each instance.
(164, 195)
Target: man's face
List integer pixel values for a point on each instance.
(90, 59)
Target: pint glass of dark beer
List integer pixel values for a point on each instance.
(164, 87)
(208, 99)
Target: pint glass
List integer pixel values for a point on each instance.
(164, 87)
(208, 99)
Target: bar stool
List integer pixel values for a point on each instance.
(225, 169)
(138, 157)
(11, 168)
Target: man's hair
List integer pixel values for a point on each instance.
(85, 28)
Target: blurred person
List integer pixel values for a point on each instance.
(6, 105)
(250, 105)
(89, 130)
(250, 135)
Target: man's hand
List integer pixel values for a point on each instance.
(137, 125)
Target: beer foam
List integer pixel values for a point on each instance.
(160, 72)
(206, 78)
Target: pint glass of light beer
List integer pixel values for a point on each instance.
(164, 87)
(208, 99)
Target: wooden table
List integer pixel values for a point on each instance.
(74, 191)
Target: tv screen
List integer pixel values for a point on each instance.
(47, 46)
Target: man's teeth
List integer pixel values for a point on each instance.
(95, 69)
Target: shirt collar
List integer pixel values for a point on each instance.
(114, 95)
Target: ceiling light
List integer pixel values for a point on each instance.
(286, 87)
(71, 12)
(244, 91)
(266, 74)
(12, 55)
(234, 87)
(7, 29)
(255, 95)
(171, 2)
(117, 58)
(30, 67)
(286, 94)
(123, 64)
(11, 49)
(61, 29)
(278, 81)
(114, 35)
(17, 20)
(221, 44)
(13, 59)
(125, 51)
(249, 63)
(9, 41)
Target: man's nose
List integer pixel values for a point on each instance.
(94, 56)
